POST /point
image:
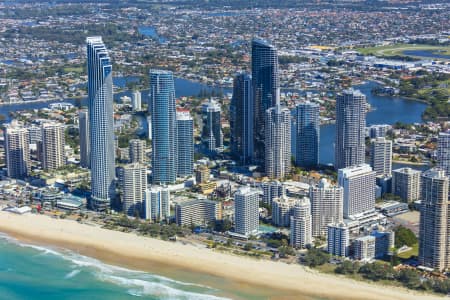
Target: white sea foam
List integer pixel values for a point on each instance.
(72, 274)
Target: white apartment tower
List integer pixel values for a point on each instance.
(406, 184)
(381, 156)
(53, 145)
(282, 210)
(17, 150)
(157, 203)
(443, 152)
(338, 239)
(327, 205)
(246, 211)
(137, 151)
(358, 183)
(301, 224)
(134, 185)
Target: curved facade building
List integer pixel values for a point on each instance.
(100, 92)
(164, 127)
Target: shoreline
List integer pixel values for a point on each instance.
(272, 280)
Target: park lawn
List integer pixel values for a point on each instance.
(413, 252)
(73, 69)
(397, 49)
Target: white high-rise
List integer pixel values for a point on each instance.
(101, 123)
(443, 152)
(185, 143)
(85, 150)
(338, 239)
(157, 203)
(301, 234)
(137, 151)
(272, 190)
(246, 211)
(282, 209)
(406, 184)
(327, 205)
(53, 145)
(358, 183)
(17, 150)
(381, 156)
(136, 102)
(134, 185)
(278, 142)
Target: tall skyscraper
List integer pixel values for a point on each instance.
(443, 152)
(164, 127)
(157, 203)
(327, 205)
(246, 211)
(53, 145)
(101, 123)
(137, 150)
(136, 101)
(134, 185)
(278, 142)
(265, 82)
(307, 134)
(350, 129)
(85, 149)
(17, 150)
(406, 184)
(185, 142)
(381, 156)
(212, 135)
(434, 244)
(301, 224)
(358, 183)
(241, 119)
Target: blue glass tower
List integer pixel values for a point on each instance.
(100, 106)
(164, 127)
(241, 118)
(307, 134)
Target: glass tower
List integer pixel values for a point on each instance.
(307, 134)
(185, 143)
(100, 97)
(164, 127)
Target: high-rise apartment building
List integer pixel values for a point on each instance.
(17, 150)
(406, 184)
(134, 185)
(282, 210)
(278, 142)
(157, 203)
(381, 156)
(271, 190)
(185, 143)
(197, 212)
(164, 127)
(358, 183)
(83, 129)
(307, 134)
(327, 205)
(301, 224)
(265, 82)
(350, 129)
(338, 239)
(242, 118)
(53, 145)
(212, 135)
(101, 123)
(364, 248)
(136, 101)
(434, 244)
(246, 211)
(137, 151)
(443, 152)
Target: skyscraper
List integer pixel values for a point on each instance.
(53, 145)
(301, 224)
(278, 142)
(265, 82)
(246, 211)
(307, 134)
(136, 102)
(85, 149)
(17, 150)
(212, 135)
(434, 244)
(157, 203)
(381, 156)
(406, 184)
(164, 127)
(137, 151)
(358, 183)
(443, 152)
(350, 129)
(241, 119)
(101, 123)
(338, 239)
(327, 204)
(134, 185)
(185, 142)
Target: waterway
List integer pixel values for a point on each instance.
(426, 53)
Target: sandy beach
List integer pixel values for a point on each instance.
(285, 281)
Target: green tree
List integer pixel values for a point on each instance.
(316, 257)
(404, 236)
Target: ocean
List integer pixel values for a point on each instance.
(35, 272)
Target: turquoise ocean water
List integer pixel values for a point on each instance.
(35, 272)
